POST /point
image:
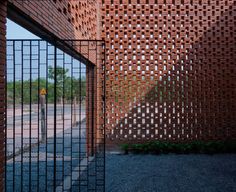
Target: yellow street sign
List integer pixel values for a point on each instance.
(43, 92)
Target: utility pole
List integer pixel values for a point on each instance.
(74, 112)
(43, 121)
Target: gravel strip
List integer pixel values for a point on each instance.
(171, 173)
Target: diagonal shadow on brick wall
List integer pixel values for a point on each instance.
(194, 99)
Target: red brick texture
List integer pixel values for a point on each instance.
(75, 19)
(3, 13)
(171, 64)
(171, 70)
(95, 92)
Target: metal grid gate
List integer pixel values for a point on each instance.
(55, 116)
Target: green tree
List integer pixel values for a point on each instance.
(21, 91)
(67, 88)
(74, 88)
(59, 76)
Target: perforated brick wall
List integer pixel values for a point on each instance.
(76, 19)
(171, 69)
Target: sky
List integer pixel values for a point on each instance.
(15, 31)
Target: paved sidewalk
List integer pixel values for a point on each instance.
(171, 173)
(37, 167)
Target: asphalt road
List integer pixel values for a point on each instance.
(35, 111)
(19, 127)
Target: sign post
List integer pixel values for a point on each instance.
(74, 113)
(43, 121)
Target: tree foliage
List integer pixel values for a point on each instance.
(66, 87)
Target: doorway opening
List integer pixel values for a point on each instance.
(54, 131)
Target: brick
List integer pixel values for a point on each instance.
(3, 8)
(177, 93)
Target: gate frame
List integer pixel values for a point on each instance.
(18, 16)
(92, 76)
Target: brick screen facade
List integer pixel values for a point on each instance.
(64, 19)
(171, 69)
(171, 64)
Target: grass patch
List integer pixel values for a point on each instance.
(161, 147)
